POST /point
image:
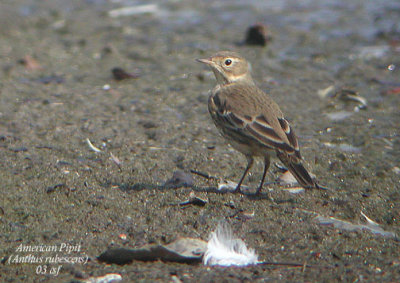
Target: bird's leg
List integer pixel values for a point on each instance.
(266, 166)
(250, 161)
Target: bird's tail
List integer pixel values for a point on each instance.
(297, 169)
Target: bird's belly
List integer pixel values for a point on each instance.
(244, 144)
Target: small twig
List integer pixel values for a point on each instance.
(292, 264)
(44, 147)
(204, 175)
(164, 148)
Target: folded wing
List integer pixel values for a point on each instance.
(276, 135)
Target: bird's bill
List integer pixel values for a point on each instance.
(205, 61)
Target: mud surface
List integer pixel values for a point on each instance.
(57, 91)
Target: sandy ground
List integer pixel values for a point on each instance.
(57, 91)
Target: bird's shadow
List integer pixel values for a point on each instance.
(128, 188)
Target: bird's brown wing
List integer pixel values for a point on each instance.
(251, 114)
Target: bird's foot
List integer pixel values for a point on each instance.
(265, 196)
(237, 190)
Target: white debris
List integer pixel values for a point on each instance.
(370, 52)
(92, 147)
(371, 226)
(338, 116)
(225, 250)
(108, 278)
(323, 93)
(343, 147)
(295, 190)
(229, 186)
(133, 10)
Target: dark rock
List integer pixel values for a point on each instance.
(257, 35)
(120, 74)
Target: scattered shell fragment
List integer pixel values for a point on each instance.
(351, 95)
(343, 147)
(194, 200)
(246, 215)
(229, 186)
(344, 94)
(369, 52)
(108, 278)
(287, 178)
(294, 190)
(391, 67)
(175, 279)
(134, 10)
(280, 167)
(325, 92)
(115, 159)
(122, 236)
(60, 24)
(338, 116)
(371, 226)
(31, 63)
(91, 146)
(369, 220)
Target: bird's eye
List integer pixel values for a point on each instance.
(228, 62)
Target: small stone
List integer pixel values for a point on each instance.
(120, 74)
(257, 35)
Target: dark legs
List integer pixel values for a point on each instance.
(266, 166)
(250, 162)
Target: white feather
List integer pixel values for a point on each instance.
(225, 250)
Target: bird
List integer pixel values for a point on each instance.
(250, 120)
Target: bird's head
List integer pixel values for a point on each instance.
(228, 67)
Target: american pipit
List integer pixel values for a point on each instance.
(250, 120)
